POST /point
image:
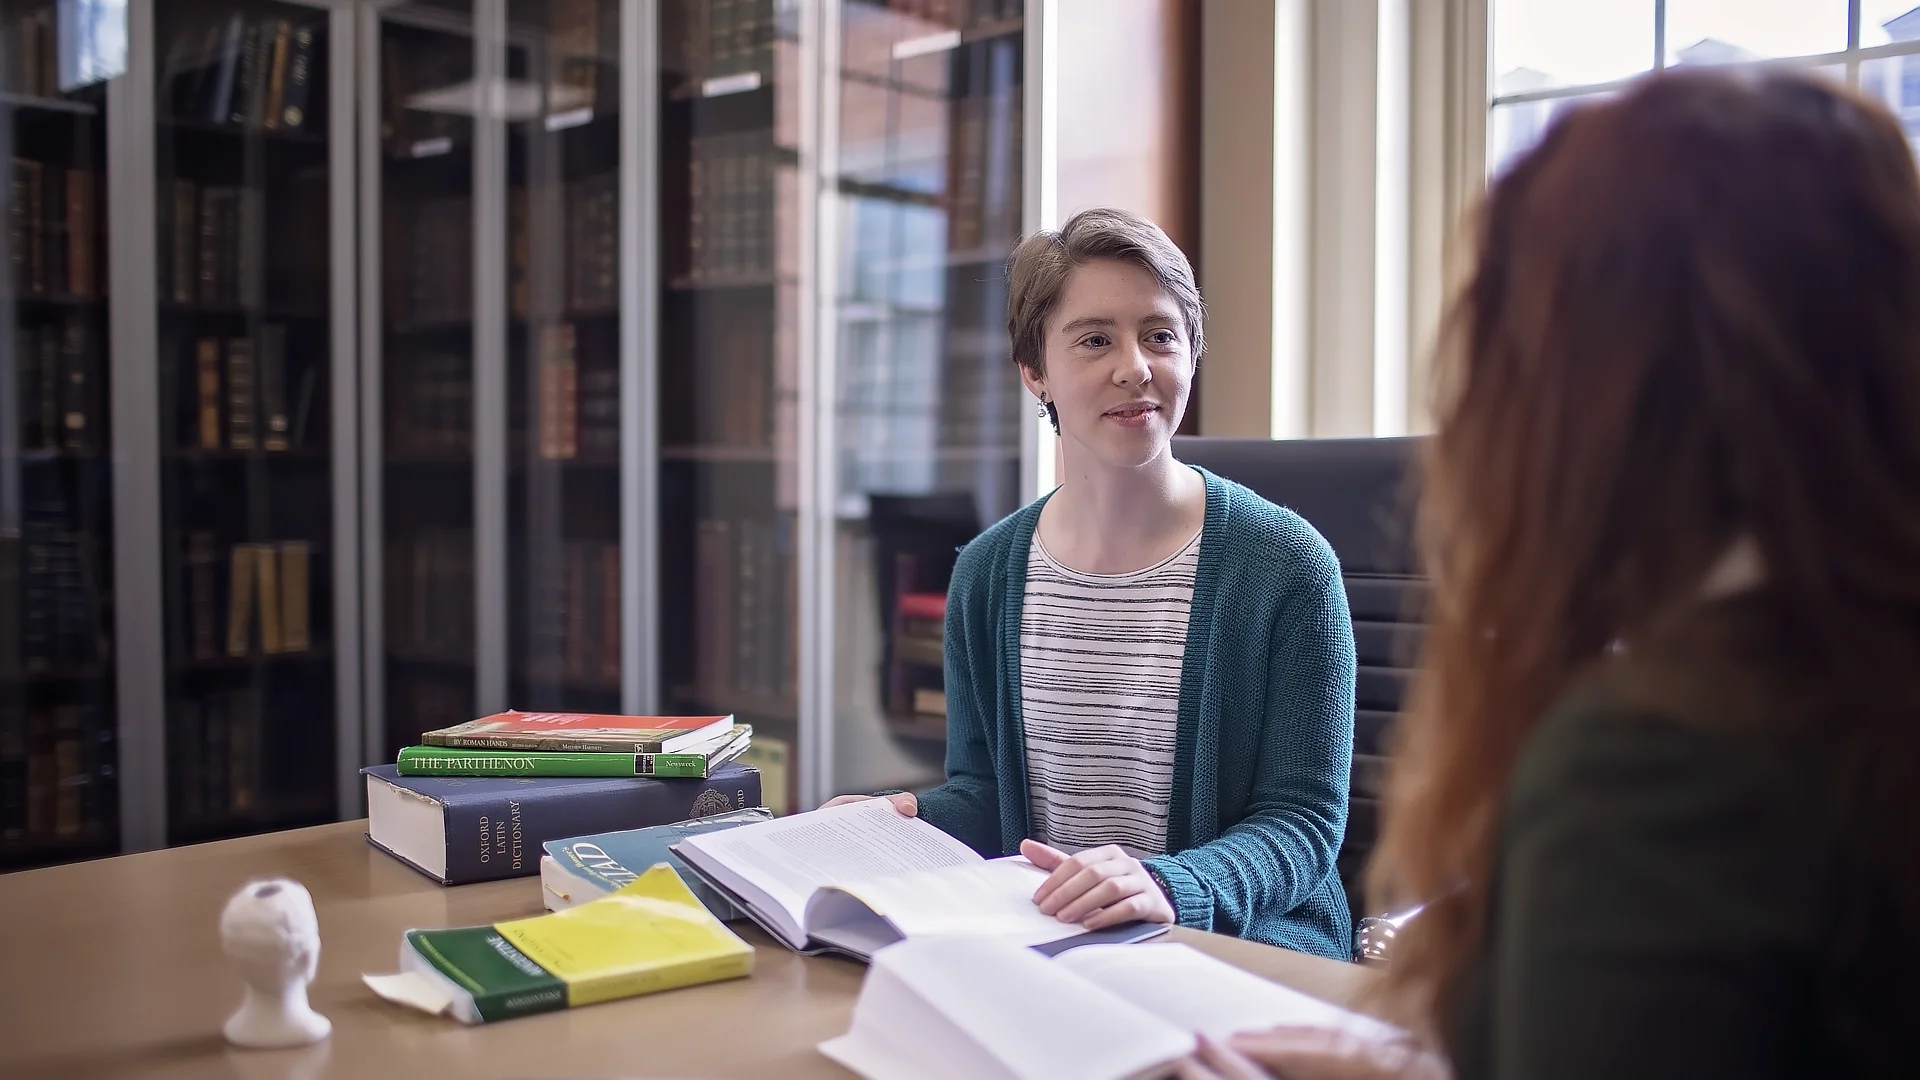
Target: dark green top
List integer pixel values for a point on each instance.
(1264, 744)
(1678, 891)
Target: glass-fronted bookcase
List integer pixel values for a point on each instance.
(58, 693)
(690, 361)
(250, 469)
(923, 203)
(377, 364)
(495, 345)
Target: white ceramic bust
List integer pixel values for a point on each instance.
(270, 933)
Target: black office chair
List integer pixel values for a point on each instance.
(1359, 494)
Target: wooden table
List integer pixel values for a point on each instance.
(113, 968)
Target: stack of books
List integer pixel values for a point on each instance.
(578, 744)
(477, 801)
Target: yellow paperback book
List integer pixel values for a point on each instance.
(649, 936)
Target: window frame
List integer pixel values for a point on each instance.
(1853, 57)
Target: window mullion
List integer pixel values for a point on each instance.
(1853, 44)
(1660, 34)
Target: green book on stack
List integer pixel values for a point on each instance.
(696, 762)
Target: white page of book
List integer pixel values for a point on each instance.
(990, 898)
(1195, 992)
(945, 1007)
(788, 858)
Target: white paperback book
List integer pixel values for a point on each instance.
(941, 1007)
(858, 877)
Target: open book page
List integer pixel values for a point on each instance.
(946, 1007)
(983, 899)
(781, 862)
(1195, 992)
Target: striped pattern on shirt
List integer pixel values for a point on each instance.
(1100, 658)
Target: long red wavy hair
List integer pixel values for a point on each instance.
(1693, 315)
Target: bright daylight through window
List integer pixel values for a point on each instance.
(1550, 53)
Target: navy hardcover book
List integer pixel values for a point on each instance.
(459, 830)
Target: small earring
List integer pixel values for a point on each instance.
(1043, 407)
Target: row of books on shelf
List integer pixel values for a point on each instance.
(430, 404)
(429, 584)
(221, 245)
(983, 198)
(573, 628)
(58, 389)
(53, 608)
(53, 232)
(717, 38)
(743, 207)
(29, 62)
(56, 776)
(961, 14)
(741, 391)
(433, 243)
(215, 750)
(576, 397)
(255, 73)
(918, 656)
(428, 277)
(573, 408)
(745, 603)
(582, 216)
(238, 396)
(265, 607)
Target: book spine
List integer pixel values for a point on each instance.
(504, 981)
(500, 836)
(435, 761)
(272, 360)
(672, 766)
(653, 980)
(293, 108)
(542, 743)
(443, 761)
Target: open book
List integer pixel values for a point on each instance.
(858, 877)
(943, 1007)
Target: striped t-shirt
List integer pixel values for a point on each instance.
(1100, 658)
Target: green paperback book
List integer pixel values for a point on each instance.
(456, 761)
(649, 936)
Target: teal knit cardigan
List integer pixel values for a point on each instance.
(1265, 740)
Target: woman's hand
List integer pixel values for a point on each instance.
(903, 802)
(1312, 1053)
(1217, 1062)
(1098, 888)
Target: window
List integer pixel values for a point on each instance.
(1549, 55)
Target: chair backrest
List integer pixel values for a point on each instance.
(1359, 494)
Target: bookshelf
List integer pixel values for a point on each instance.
(730, 216)
(563, 357)
(58, 697)
(245, 350)
(458, 355)
(927, 185)
(423, 144)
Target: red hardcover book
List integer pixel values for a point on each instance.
(514, 730)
